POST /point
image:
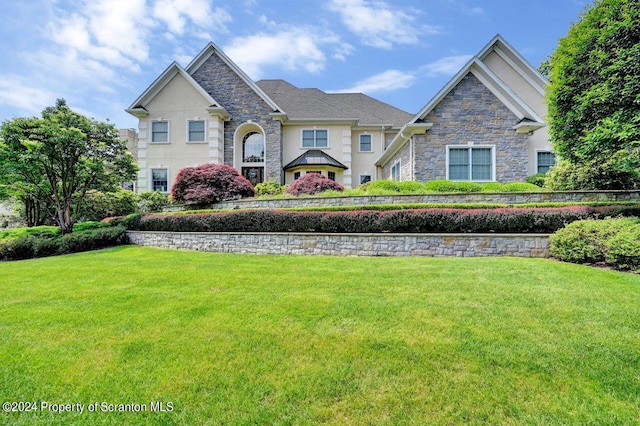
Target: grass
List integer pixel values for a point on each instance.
(241, 339)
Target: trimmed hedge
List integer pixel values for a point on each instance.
(613, 242)
(445, 220)
(30, 246)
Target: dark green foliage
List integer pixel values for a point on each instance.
(537, 179)
(594, 102)
(91, 236)
(55, 160)
(98, 205)
(615, 242)
(448, 220)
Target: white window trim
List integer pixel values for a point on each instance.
(399, 164)
(150, 183)
(314, 139)
(160, 120)
(360, 142)
(470, 147)
(205, 131)
(536, 158)
(361, 175)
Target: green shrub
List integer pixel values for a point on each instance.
(98, 238)
(30, 246)
(613, 241)
(98, 205)
(381, 187)
(410, 187)
(36, 231)
(269, 188)
(492, 187)
(537, 179)
(623, 248)
(89, 226)
(521, 187)
(565, 176)
(452, 186)
(152, 201)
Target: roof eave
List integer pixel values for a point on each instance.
(405, 133)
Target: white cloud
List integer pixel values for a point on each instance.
(292, 48)
(387, 81)
(448, 65)
(176, 14)
(17, 93)
(379, 24)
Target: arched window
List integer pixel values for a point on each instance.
(253, 148)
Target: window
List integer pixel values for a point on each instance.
(395, 172)
(365, 179)
(159, 180)
(160, 131)
(475, 164)
(253, 148)
(545, 160)
(331, 175)
(365, 143)
(296, 176)
(315, 139)
(196, 131)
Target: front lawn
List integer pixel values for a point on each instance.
(243, 339)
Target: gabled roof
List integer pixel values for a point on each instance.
(212, 49)
(315, 157)
(138, 107)
(507, 96)
(511, 56)
(316, 105)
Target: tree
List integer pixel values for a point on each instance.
(54, 160)
(210, 183)
(594, 94)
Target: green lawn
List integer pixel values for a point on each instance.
(243, 339)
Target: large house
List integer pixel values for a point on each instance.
(486, 124)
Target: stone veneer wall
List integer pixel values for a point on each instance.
(404, 155)
(479, 197)
(471, 113)
(243, 104)
(436, 245)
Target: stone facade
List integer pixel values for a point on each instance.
(470, 113)
(244, 105)
(434, 245)
(404, 156)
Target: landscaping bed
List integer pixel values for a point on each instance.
(435, 220)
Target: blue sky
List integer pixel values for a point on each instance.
(100, 55)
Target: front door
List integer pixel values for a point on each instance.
(255, 175)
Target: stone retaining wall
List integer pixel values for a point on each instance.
(476, 197)
(437, 245)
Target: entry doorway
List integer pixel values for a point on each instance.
(255, 175)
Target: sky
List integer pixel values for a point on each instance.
(100, 55)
